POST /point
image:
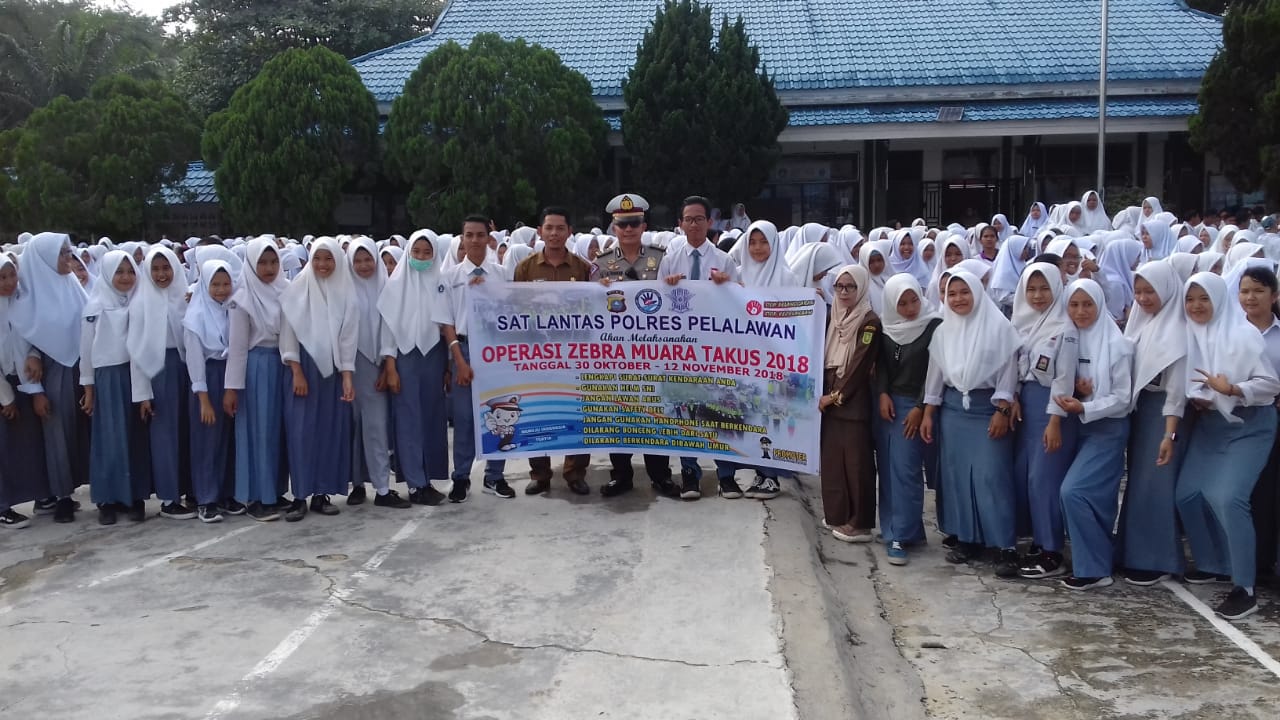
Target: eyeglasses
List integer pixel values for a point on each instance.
(628, 223)
(695, 219)
(841, 287)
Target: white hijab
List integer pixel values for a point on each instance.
(155, 314)
(875, 294)
(1100, 341)
(1116, 265)
(317, 308)
(1159, 339)
(47, 309)
(774, 271)
(1009, 265)
(1030, 226)
(1227, 344)
(1034, 327)
(206, 317)
(1163, 241)
(1095, 220)
(367, 293)
(914, 265)
(940, 266)
(900, 330)
(258, 299)
(972, 349)
(409, 300)
(110, 306)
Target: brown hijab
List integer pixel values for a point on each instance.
(848, 314)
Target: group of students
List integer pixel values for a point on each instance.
(1029, 376)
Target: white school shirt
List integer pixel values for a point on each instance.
(1004, 382)
(197, 354)
(1115, 403)
(680, 262)
(1271, 336)
(139, 381)
(456, 310)
(1052, 364)
(345, 352)
(244, 336)
(99, 351)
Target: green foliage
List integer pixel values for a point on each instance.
(226, 42)
(500, 127)
(700, 119)
(97, 165)
(1219, 7)
(1239, 118)
(50, 48)
(290, 141)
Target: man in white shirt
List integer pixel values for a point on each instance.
(454, 318)
(697, 259)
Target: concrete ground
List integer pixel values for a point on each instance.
(564, 607)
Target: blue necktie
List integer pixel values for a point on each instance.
(696, 272)
(477, 272)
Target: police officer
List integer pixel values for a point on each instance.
(631, 260)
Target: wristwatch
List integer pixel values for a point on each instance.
(1005, 411)
(1171, 437)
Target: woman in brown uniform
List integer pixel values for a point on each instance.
(848, 466)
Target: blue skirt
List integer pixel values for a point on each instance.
(210, 444)
(1149, 537)
(169, 444)
(318, 433)
(1091, 495)
(1038, 474)
(23, 474)
(115, 473)
(976, 472)
(901, 464)
(260, 425)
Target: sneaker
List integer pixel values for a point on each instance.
(177, 511)
(231, 506)
(107, 514)
(857, 536)
(689, 487)
(1195, 577)
(458, 493)
(426, 496)
(666, 487)
(65, 510)
(951, 542)
(47, 506)
(896, 553)
(210, 513)
(617, 486)
(1237, 605)
(764, 488)
(297, 509)
(1144, 578)
(1044, 565)
(392, 500)
(963, 553)
(137, 511)
(13, 519)
(499, 488)
(729, 489)
(1086, 583)
(1007, 564)
(320, 504)
(357, 496)
(262, 513)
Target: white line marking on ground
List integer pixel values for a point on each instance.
(143, 566)
(1231, 632)
(295, 639)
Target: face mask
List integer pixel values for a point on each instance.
(420, 265)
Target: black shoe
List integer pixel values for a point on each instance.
(392, 500)
(1144, 578)
(729, 489)
(137, 511)
(357, 495)
(231, 506)
(616, 487)
(1195, 577)
(666, 487)
(458, 493)
(500, 488)
(1237, 605)
(107, 514)
(297, 509)
(951, 542)
(963, 553)
(426, 496)
(13, 519)
(689, 487)
(210, 513)
(764, 488)
(262, 513)
(177, 511)
(1086, 583)
(320, 504)
(46, 506)
(65, 511)
(578, 486)
(537, 487)
(1033, 552)
(1041, 566)
(1007, 564)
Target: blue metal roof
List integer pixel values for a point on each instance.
(198, 182)
(846, 44)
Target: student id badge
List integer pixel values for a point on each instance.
(1042, 365)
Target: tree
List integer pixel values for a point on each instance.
(291, 140)
(226, 42)
(98, 165)
(1239, 117)
(700, 118)
(500, 126)
(55, 48)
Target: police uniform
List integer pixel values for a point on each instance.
(613, 265)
